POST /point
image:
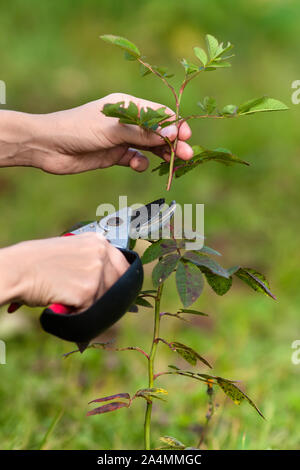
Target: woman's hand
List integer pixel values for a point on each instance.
(83, 139)
(73, 271)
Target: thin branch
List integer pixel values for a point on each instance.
(155, 72)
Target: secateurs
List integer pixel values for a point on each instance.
(118, 228)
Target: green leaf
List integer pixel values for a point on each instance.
(225, 157)
(172, 443)
(256, 280)
(189, 354)
(209, 251)
(218, 65)
(127, 115)
(209, 105)
(158, 249)
(189, 282)
(201, 55)
(164, 268)
(150, 117)
(235, 394)
(202, 260)
(149, 393)
(123, 43)
(192, 312)
(219, 284)
(261, 105)
(230, 109)
(212, 45)
(189, 67)
(143, 302)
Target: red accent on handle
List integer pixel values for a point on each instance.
(57, 308)
(13, 307)
(61, 309)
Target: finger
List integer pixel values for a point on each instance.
(184, 150)
(135, 159)
(185, 131)
(118, 260)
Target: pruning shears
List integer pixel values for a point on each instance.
(118, 228)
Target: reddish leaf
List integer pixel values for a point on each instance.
(201, 260)
(111, 397)
(189, 354)
(158, 249)
(164, 268)
(189, 281)
(116, 405)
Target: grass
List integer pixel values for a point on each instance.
(251, 216)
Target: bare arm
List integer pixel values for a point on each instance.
(83, 139)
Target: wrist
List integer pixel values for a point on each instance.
(13, 279)
(21, 138)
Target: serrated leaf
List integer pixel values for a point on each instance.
(201, 55)
(111, 397)
(172, 442)
(189, 282)
(256, 280)
(189, 67)
(123, 43)
(189, 354)
(116, 405)
(158, 249)
(118, 110)
(229, 109)
(226, 158)
(149, 393)
(208, 106)
(202, 260)
(223, 49)
(164, 268)
(212, 45)
(209, 251)
(192, 312)
(233, 270)
(150, 117)
(262, 104)
(219, 65)
(235, 394)
(219, 284)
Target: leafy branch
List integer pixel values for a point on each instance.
(216, 56)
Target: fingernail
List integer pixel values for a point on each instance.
(170, 132)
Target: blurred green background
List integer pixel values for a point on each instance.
(51, 59)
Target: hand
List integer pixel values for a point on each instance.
(73, 271)
(83, 139)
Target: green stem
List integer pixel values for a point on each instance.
(147, 423)
(173, 152)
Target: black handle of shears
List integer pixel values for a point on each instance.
(84, 326)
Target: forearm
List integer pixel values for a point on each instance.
(12, 282)
(20, 139)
